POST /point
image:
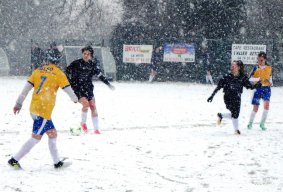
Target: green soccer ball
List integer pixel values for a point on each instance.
(75, 131)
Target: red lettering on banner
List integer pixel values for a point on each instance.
(132, 49)
(179, 50)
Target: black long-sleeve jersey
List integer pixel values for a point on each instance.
(80, 74)
(233, 85)
(233, 89)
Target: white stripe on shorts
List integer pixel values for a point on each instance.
(41, 127)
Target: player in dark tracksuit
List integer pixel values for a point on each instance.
(153, 66)
(80, 73)
(207, 60)
(232, 85)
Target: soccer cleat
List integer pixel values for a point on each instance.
(84, 127)
(250, 125)
(220, 117)
(262, 126)
(14, 163)
(59, 164)
(96, 131)
(237, 132)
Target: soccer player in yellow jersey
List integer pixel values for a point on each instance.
(262, 72)
(45, 80)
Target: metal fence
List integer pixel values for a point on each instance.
(195, 72)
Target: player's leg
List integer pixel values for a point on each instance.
(266, 99)
(94, 116)
(255, 103)
(229, 105)
(209, 77)
(235, 111)
(206, 78)
(85, 107)
(154, 71)
(38, 126)
(151, 75)
(52, 144)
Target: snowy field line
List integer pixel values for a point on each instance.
(155, 137)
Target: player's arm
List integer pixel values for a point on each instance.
(219, 86)
(68, 89)
(266, 79)
(269, 81)
(105, 80)
(98, 73)
(69, 71)
(28, 86)
(253, 79)
(249, 85)
(65, 85)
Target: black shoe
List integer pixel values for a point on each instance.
(59, 164)
(220, 117)
(237, 132)
(14, 163)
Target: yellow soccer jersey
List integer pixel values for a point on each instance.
(46, 80)
(264, 74)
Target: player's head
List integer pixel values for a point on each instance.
(261, 58)
(53, 44)
(237, 67)
(52, 57)
(87, 53)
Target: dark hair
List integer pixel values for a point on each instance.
(88, 48)
(241, 65)
(52, 57)
(262, 54)
(53, 44)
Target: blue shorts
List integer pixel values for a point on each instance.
(261, 93)
(41, 125)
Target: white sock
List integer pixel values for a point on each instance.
(210, 79)
(151, 78)
(264, 116)
(252, 116)
(206, 79)
(84, 116)
(53, 149)
(95, 122)
(26, 148)
(226, 115)
(235, 124)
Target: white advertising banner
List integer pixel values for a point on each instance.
(137, 53)
(179, 53)
(246, 52)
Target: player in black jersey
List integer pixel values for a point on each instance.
(80, 73)
(232, 85)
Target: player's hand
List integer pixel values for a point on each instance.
(111, 87)
(210, 99)
(17, 109)
(257, 85)
(266, 82)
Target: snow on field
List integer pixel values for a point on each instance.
(158, 137)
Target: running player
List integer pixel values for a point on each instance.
(80, 73)
(45, 80)
(232, 85)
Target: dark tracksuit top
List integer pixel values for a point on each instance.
(154, 60)
(233, 89)
(80, 74)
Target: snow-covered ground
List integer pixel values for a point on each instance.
(158, 137)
